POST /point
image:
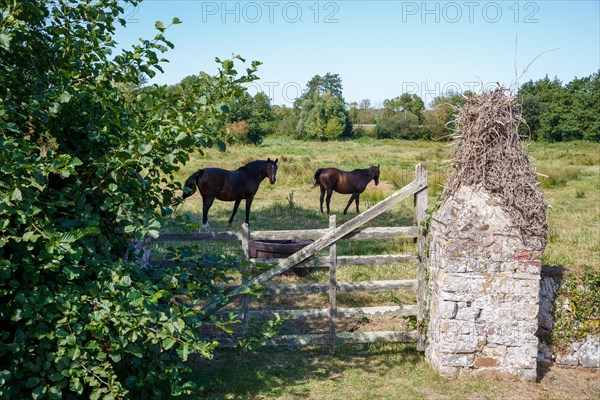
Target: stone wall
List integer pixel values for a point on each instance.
(485, 284)
(583, 353)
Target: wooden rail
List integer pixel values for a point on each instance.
(307, 234)
(346, 287)
(342, 337)
(382, 311)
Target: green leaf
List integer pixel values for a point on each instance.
(227, 65)
(38, 392)
(168, 343)
(183, 352)
(32, 382)
(176, 21)
(31, 236)
(75, 353)
(72, 272)
(76, 386)
(145, 148)
(4, 376)
(5, 41)
(160, 26)
(54, 109)
(71, 340)
(65, 97)
(135, 298)
(17, 195)
(136, 351)
(125, 281)
(224, 107)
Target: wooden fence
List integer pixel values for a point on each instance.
(307, 258)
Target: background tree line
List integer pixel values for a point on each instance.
(553, 111)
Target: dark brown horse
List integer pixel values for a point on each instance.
(224, 185)
(345, 182)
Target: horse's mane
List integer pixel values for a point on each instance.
(256, 167)
(363, 170)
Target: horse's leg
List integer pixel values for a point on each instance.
(349, 202)
(248, 205)
(328, 199)
(206, 204)
(357, 197)
(321, 198)
(235, 208)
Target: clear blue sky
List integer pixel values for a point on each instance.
(380, 49)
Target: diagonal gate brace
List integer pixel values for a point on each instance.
(318, 245)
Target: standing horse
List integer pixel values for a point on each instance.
(344, 182)
(224, 185)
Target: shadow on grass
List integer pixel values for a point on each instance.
(269, 371)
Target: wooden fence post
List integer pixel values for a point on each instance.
(420, 214)
(332, 287)
(245, 268)
(142, 250)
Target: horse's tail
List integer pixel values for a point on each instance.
(190, 184)
(317, 177)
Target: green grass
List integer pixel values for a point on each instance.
(377, 371)
(572, 191)
(571, 187)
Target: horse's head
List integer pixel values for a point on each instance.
(374, 173)
(272, 170)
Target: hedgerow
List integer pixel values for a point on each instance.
(87, 157)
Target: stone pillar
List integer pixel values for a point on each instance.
(485, 285)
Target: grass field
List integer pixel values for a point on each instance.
(570, 181)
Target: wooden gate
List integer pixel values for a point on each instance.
(306, 258)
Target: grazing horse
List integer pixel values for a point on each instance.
(224, 185)
(344, 182)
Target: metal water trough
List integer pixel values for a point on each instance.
(273, 249)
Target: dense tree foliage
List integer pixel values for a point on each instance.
(286, 120)
(557, 112)
(329, 82)
(402, 118)
(553, 112)
(251, 118)
(363, 112)
(322, 110)
(441, 114)
(86, 164)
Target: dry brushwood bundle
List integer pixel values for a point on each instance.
(489, 154)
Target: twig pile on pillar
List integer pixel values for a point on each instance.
(489, 154)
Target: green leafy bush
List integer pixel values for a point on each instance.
(86, 164)
(577, 308)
